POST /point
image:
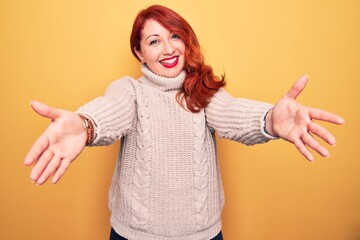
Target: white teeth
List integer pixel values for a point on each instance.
(170, 61)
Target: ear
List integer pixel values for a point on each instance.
(139, 54)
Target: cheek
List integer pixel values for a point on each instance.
(181, 47)
(149, 55)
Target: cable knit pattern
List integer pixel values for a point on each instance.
(166, 183)
(141, 184)
(201, 170)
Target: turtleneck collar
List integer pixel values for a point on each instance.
(162, 83)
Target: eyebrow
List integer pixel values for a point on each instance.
(153, 35)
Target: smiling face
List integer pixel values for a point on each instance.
(161, 50)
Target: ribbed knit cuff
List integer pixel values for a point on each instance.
(112, 113)
(238, 119)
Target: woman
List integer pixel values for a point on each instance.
(167, 184)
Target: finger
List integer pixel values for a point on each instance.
(298, 87)
(64, 165)
(310, 141)
(41, 165)
(40, 145)
(49, 170)
(321, 132)
(323, 115)
(303, 150)
(45, 110)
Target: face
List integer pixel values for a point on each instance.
(161, 50)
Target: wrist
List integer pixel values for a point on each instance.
(268, 124)
(90, 128)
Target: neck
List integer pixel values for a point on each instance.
(163, 83)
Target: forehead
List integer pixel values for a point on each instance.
(152, 27)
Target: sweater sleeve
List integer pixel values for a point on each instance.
(113, 113)
(238, 119)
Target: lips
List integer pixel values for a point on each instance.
(170, 62)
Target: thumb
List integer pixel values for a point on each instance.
(45, 110)
(298, 87)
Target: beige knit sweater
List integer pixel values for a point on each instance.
(167, 184)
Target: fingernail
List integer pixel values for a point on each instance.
(54, 181)
(39, 182)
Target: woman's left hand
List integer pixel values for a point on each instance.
(295, 123)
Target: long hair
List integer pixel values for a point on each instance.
(200, 83)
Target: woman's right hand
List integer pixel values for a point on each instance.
(58, 146)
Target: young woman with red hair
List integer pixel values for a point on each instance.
(200, 83)
(167, 184)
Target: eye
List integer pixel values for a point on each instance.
(153, 42)
(175, 36)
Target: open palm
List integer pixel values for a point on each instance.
(295, 123)
(58, 146)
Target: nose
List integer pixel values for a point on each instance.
(168, 48)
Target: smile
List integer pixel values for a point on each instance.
(170, 62)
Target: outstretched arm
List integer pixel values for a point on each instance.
(295, 123)
(58, 146)
(113, 115)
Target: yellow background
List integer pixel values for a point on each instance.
(66, 52)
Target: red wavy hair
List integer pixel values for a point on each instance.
(200, 83)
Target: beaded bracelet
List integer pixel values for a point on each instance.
(89, 125)
(264, 126)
